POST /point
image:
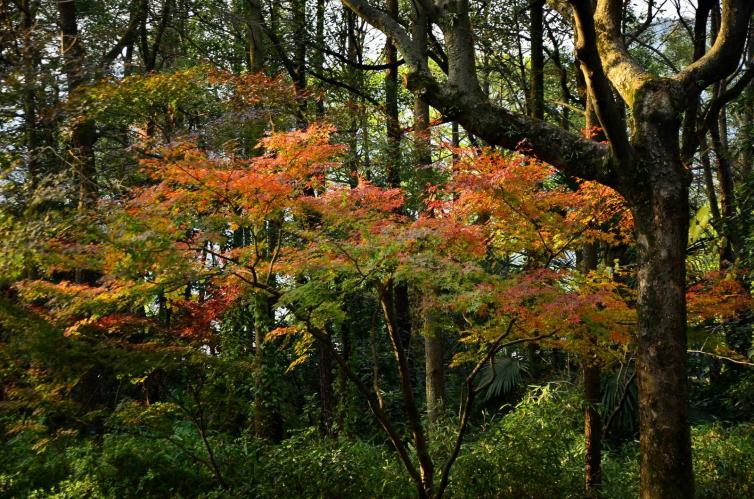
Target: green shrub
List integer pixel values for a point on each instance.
(535, 450)
(724, 460)
(309, 466)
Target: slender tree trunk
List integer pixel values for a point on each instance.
(591, 369)
(30, 64)
(592, 430)
(324, 357)
(391, 106)
(434, 369)
(592, 420)
(299, 58)
(426, 466)
(267, 422)
(420, 28)
(319, 59)
(537, 81)
(731, 243)
(709, 183)
(352, 52)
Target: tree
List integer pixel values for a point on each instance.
(644, 166)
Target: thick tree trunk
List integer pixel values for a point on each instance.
(661, 214)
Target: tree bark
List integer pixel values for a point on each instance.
(661, 216)
(591, 375)
(267, 423)
(83, 133)
(255, 35)
(391, 106)
(537, 78)
(327, 397)
(434, 369)
(592, 430)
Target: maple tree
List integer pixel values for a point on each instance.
(331, 239)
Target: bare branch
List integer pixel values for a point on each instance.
(723, 357)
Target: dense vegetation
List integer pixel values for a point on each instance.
(240, 259)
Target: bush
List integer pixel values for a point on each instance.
(309, 466)
(535, 450)
(724, 460)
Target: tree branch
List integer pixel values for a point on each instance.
(722, 357)
(598, 86)
(722, 59)
(621, 69)
(458, 100)
(564, 150)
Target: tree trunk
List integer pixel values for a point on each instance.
(426, 466)
(267, 423)
(391, 106)
(318, 60)
(592, 430)
(83, 133)
(731, 243)
(661, 214)
(592, 420)
(352, 140)
(434, 369)
(537, 84)
(420, 27)
(299, 59)
(255, 36)
(30, 65)
(326, 390)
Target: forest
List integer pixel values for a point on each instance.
(377, 248)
